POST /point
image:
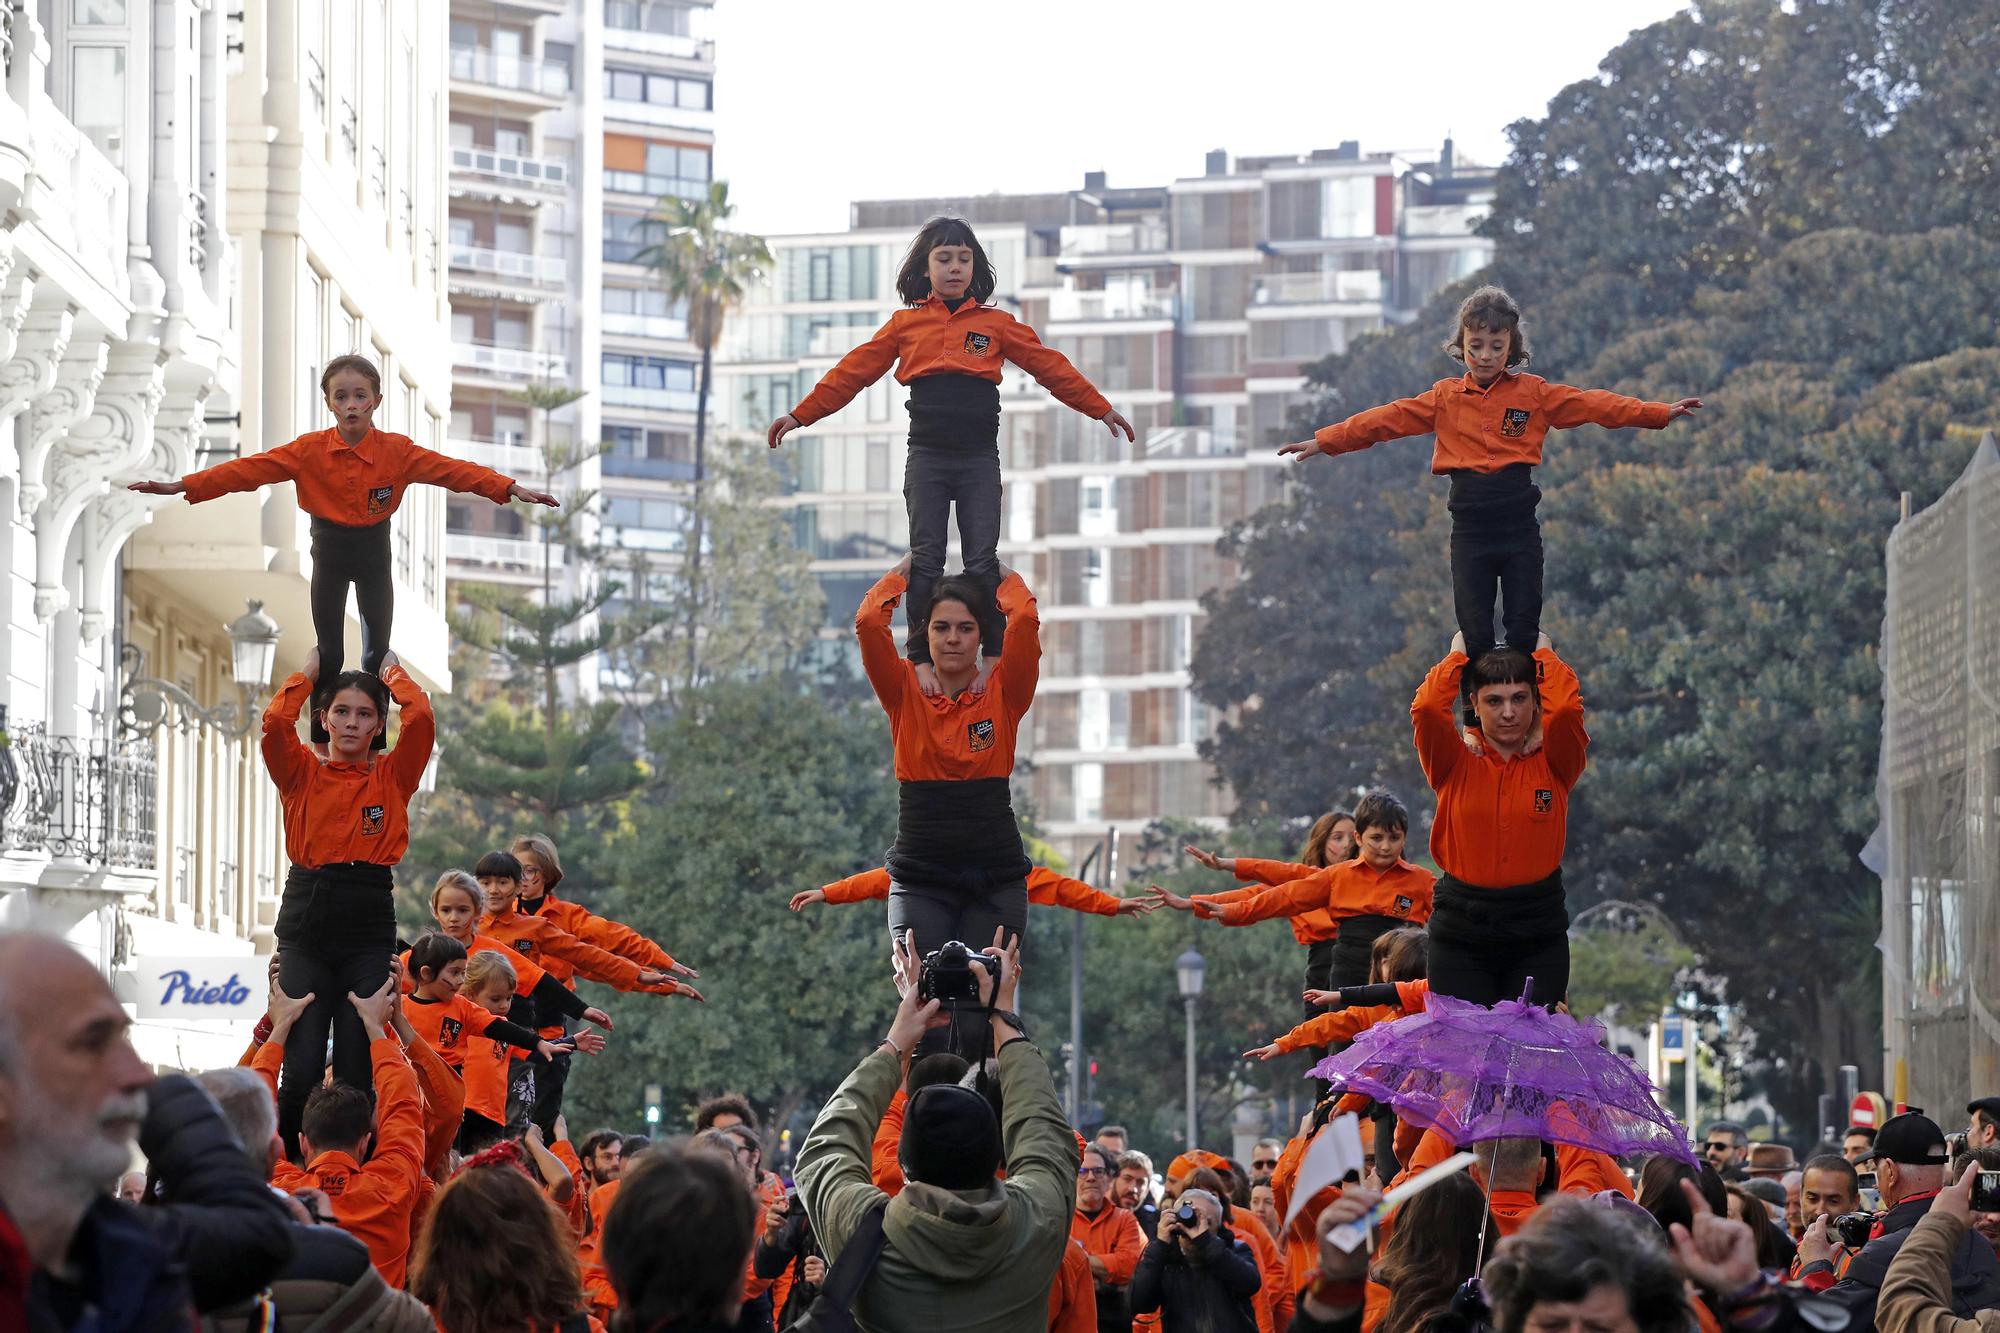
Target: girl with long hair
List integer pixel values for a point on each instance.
(496, 1257)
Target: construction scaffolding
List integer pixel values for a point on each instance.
(1938, 846)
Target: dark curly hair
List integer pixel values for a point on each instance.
(496, 1255)
(1492, 310)
(913, 280)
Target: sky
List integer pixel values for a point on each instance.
(820, 102)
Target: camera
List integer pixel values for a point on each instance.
(1852, 1229)
(946, 973)
(1986, 1193)
(1187, 1215)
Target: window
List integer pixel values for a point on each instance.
(666, 383)
(640, 85)
(647, 522)
(626, 235)
(657, 16)
(97, 97)
(669, 169)
(828, 273)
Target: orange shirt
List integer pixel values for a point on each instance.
(612, 936)
(1045, 889)
(971, 736)
(449, 1025)
(372, 1202)
(338, 812)
(358, 485)
(1113, 1236)
(932, 339)
(1484, 430)
(443, 1094)
(1073, 1295)
(597, 1288)
(1350, 888)
(1275, 1298)
(1301, 1238)
(1500, 821)
(1346, 1024)
(537, 938)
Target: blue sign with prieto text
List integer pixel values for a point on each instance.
(200, 989)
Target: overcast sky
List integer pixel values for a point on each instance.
(819, 103)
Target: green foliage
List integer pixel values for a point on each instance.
(772, 789)
(1625, 971)
(1770, 210)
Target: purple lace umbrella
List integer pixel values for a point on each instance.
(1515, 1070)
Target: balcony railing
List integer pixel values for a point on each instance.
(673, 328)
(1116, 304)
(660, 400)
(496, 69)
(546, 173)
(1356, 285)
(1194, 442)
(652, 469)
(658, 43)
(1040, 271)
(515, 552)
(1443, 219)
(78, 797)
(510, 362)
(638, 182)
(1113, 238)
(541, 270)
(513, 457)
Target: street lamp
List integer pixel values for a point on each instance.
(146, 701)
(1190, 966)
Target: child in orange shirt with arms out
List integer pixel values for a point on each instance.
(947, 347)
(1490, 423)
(350, 478)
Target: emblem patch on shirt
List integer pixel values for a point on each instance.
(980, 734)
(1514, 421)
(978, 343)
(332, 1180)
(1545, 800)
(1404, 904)
(379, 497)
(371, 820)
(448, 1030)
(525, 948)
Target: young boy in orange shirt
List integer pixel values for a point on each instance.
(1490, 424)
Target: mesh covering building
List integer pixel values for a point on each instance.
(1939, 789)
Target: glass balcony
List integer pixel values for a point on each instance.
(495, 69)
(512, 456)
(680, 46)
(1361, 286)
(1117, 238)
(540, 270)
(672, 328)
(1443, 219)
(657, 399)
(522, 169)
(655, 187)
(524, 363)
(513, 552)
(1118, 303)
(650, 469)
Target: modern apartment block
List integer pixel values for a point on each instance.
(1194, 305)
(569, 122)
(202, 204)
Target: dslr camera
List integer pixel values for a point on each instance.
(1851, 1229)
(1187, 1214)
(946, 973)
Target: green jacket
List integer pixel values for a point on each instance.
(974, 1261)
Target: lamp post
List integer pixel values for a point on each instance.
(145, 701)
(1190, 966)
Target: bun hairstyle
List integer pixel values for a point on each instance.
(433, 952)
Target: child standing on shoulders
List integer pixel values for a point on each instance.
(948, 346)
(350, 478)
(1490, 423)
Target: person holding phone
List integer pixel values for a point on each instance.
(1195, 1272)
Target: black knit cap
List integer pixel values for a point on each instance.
(951, 1138)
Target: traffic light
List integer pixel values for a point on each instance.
(653, 1098)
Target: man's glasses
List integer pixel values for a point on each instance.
(1083, 1171)
(1263, 1164)
(1722, 1147)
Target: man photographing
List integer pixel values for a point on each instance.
(1195, 1273)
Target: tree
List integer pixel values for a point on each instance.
(767, 788)
(709, 268)
(756, 611)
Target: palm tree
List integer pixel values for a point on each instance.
(708, 267)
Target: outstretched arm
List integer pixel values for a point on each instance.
(239, 474)
(1569, 407)
(1391, 421)
(836, 389)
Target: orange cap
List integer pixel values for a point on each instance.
(1189, 1161)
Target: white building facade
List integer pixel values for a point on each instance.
(211, 202)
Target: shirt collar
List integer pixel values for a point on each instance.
(334, 1157)
(1467, 384)
(938, 301)
(365, 451)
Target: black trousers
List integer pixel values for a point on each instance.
(336, 930)
(940, 915)
(550, 1079)
(1496, 546)
(935, 479)
(360, 557)
(1319, 976)
(1486, 943)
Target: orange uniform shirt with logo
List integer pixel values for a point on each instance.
(371, 1201)
(941, 738)
(337, 812)
(541, 941)
(1113, 1236)
(1308, 928)
(1351, 888)
(456, 1029)
(1346, 1024)
(932, 339)
(356, 485)
(1045, 889)
(586, 925)
(1500, 821)
(1485, 430)
(1073, 1295)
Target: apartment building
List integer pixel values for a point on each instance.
(1194, 305)
(570, 123)
(203, 205)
